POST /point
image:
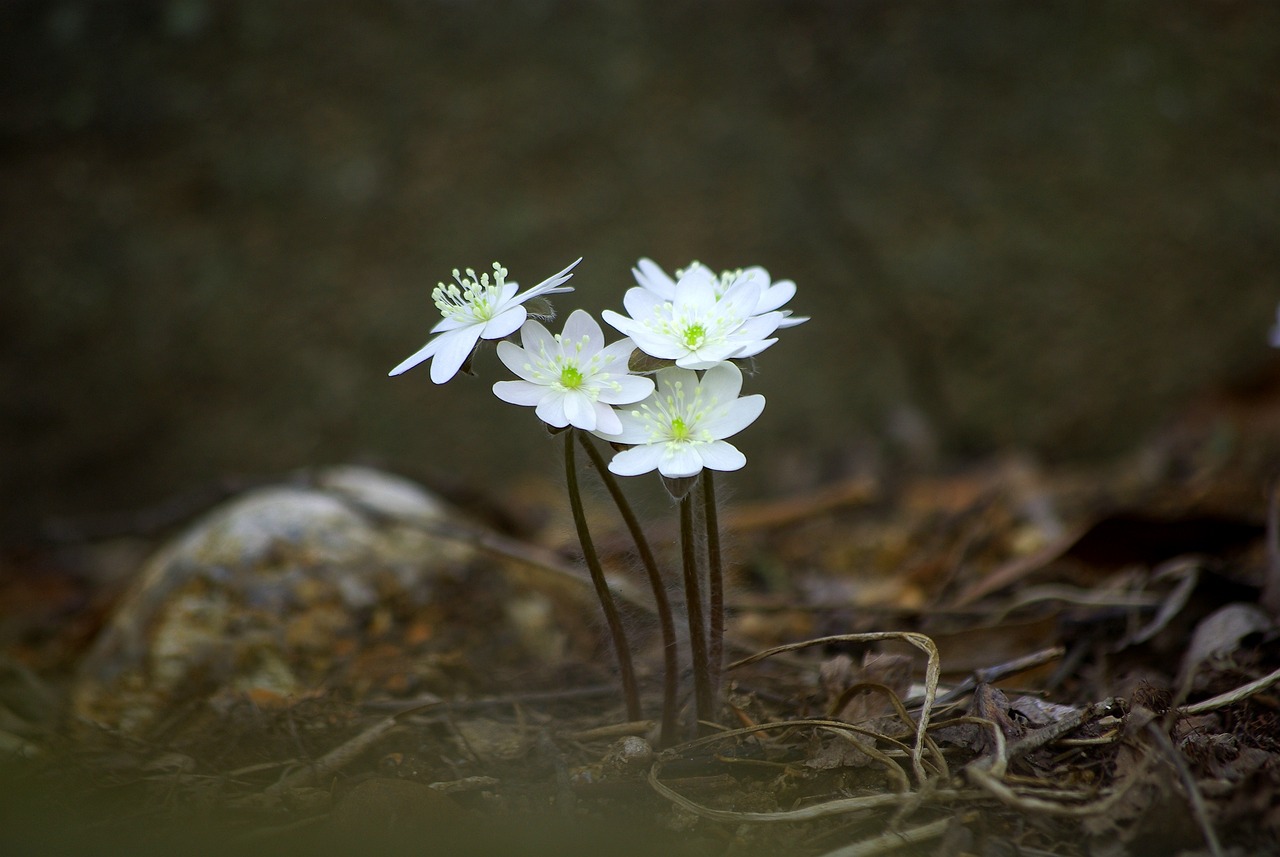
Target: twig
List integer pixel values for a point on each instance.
(892, 840)
(933, 671)
(1198, 809)
(336, 759)
(408, 706)
(1240, 693)
(997, 672)
(1062, 726)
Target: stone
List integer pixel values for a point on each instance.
(332, 583)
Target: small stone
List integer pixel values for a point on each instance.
(631, 754)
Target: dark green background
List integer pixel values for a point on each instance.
(1037, 224)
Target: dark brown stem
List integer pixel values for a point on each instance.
(703, 696)
(671, 662)
(611, 617)
(715, 585)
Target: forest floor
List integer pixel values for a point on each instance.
(1000, 659)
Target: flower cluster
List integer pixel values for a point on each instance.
(686, 330)
(667, 396)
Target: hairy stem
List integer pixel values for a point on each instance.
(611, 617)
(703, 696)
(671, 663)
(715, 585)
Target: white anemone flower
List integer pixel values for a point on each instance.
(697, 327)
(772, 295)
(476, 308)
(682, 427)
(572, 378)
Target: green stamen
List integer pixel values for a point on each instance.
(570, 377)
(694, 335)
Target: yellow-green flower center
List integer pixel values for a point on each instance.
(679, 429)
(694, 335)
(570, 377)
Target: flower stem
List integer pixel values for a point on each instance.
(671, 663)
(715, 585)
(611, 617)
(703, 696)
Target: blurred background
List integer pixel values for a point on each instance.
(1044, 226)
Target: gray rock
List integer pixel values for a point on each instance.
(282, 591)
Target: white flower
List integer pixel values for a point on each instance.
(680, 429)
(696, 326)
(772, 295)
(572, 378)
(476, 308)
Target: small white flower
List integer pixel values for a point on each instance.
(681, 428)
(772, 295)
(571, 378)
(476, 308)
(697, 326)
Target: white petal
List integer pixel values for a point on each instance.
(630, 389)
(740, 414)
(754, 348)
(607, 421)
(637, 460)
(660, 345)
(618, 321)
(776, 295)
(757, 327)
(579, 412)
(551, 409)
(719, 455)
(680, 459)
(505, 323)
(516, 358)
(634, 428)
(739, 301)
(696, 290)
(722, 383)
(641, 303)
(668, 378)
(616, 352)
(537, 340)
(519, 392)
(709, 356)
(455, 347)
(508, 292)
(789, 320)
(451, 323)
(551, 284)
(417, 357)
(650, 276)
(581, 326)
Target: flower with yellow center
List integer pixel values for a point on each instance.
(697, 327)
(649, 275)
(680, 429)
(572, 378)
(474, 308)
